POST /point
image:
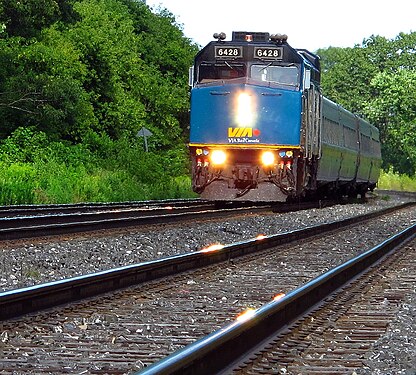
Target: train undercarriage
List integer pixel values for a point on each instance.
(242, 179)
(291, 178)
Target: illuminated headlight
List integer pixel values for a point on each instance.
(267, 158)
(218, 157)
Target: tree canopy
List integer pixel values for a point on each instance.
(70, 68)
(376, 80)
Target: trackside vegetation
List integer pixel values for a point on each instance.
(80, 78)
(35, 171)
(391, 180)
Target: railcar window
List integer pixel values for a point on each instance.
(285, 75)
(351, 138)
(365, 144)
(212, 72)
(332, 133)
(376, 147)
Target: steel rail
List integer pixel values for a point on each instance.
(39, 220)
(34, 209)
(158, 212)
(46, 220)
(50, 209)
(214, 353)
(14, 303)
(44, 225)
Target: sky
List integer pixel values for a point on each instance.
(308, 24)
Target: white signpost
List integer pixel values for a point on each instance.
(143, 132)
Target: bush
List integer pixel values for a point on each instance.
(17, 184)
(393, 181)
(97, 170)
(25, 145)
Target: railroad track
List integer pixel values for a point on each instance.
(60, 209)
(23, 222)
(332, 338)
(112, 333)
(338, 336)
(29, 222)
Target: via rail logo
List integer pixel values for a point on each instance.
(243, 135)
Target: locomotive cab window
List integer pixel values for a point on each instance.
(284, 75)
(220, 71)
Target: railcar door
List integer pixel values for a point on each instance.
(312, 123)
(311, 139)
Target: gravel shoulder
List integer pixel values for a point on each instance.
(24, 263)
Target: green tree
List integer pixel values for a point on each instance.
(113, 67)
(41, 86)
(167, 55)
(394, 110)
(108, 50)
(374, 80)
(27, 18)
(346, 76)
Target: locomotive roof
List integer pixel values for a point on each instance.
(249, 44)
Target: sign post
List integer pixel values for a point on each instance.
(143, 132)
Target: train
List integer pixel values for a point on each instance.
(261, 129)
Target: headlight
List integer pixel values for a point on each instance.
(245, 110)
(218, 157)
(267, 158)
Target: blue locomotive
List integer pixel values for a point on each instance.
(262, 131)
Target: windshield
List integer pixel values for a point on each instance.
(284, 75)
(223, 71)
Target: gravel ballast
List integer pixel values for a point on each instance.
(29, 263)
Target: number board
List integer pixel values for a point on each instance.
(268, 53)
(229, 52)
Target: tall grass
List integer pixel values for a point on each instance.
(52, 182)
(393, 181)
(104, 171)
(17, 184)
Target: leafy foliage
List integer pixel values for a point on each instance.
(93, 65)
(24, 146)
(391, 180)
(34, 170)
(27, 18)
(394, 110)
(78, 79)
(375, 80)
